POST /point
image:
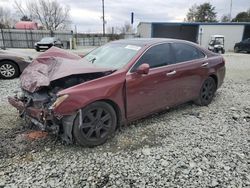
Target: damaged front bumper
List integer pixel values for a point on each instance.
(37, 116)
(45, 119)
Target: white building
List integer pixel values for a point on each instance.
(196, 32)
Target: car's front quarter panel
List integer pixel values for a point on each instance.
(110, 88)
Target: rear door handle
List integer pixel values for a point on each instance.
(204, 65)
(171, 73)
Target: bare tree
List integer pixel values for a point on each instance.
(126, 28)
(51, 14)
(6, 20)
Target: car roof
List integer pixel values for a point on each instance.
(147, 41)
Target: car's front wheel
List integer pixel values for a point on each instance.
(8, 70)
(207, 92)
(95, 124)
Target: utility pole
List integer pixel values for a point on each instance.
(103, 19)
(230, 14)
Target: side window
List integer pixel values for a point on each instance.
(185, 52)
(156, 56)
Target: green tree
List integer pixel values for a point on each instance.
(242, 17)
(202, 13)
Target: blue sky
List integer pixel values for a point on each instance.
(86, 14)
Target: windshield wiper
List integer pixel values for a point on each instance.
(92, 60)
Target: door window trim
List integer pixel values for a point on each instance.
(129, 71)
(205, 56)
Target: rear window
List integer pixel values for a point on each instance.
(185, 52)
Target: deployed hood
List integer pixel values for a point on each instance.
(54, 64)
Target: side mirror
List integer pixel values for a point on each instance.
(143, 69)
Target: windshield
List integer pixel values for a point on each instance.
(47, 39)
(112, 55)
(217, 41)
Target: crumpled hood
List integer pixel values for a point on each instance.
(54, 64)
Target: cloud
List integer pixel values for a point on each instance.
(86, 14)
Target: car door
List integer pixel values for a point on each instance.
(192, 68)
(144, 92)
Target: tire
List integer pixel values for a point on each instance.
(38, 49)
(8, 70)
(98, 124)
(236, 49)
(207, 92)
(221, 51)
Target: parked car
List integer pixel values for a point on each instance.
(86, 99)
(12, 64)
(242, 46)
(47, 42)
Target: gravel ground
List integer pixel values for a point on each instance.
(187, 146)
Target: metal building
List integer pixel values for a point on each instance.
(196, 32)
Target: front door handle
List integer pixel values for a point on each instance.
(204, 64)
(171, 73)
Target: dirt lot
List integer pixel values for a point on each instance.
(188, 146)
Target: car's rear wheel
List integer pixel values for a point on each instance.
(95, 124)
(207, 92)
(236, 49)
(8, 70)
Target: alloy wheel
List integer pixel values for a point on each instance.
(7, 70)
(208, 90)
(96, 124)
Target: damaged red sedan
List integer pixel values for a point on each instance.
(86, 99)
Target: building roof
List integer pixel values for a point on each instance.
(26, 25)
(197, 23)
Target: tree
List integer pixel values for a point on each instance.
(25, 18)
(50, 14)
(242, 17)
(126, 28)
(6, 20)
(225, 18)
(191, 15)
(202, 13)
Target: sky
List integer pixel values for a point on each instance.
(86, 14)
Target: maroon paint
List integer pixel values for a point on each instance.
(139, 94)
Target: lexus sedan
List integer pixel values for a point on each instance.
(85, 99)
(47, 42)
(12, 64)
(242, 46)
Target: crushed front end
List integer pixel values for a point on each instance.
(37, 108)
(43, 80)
